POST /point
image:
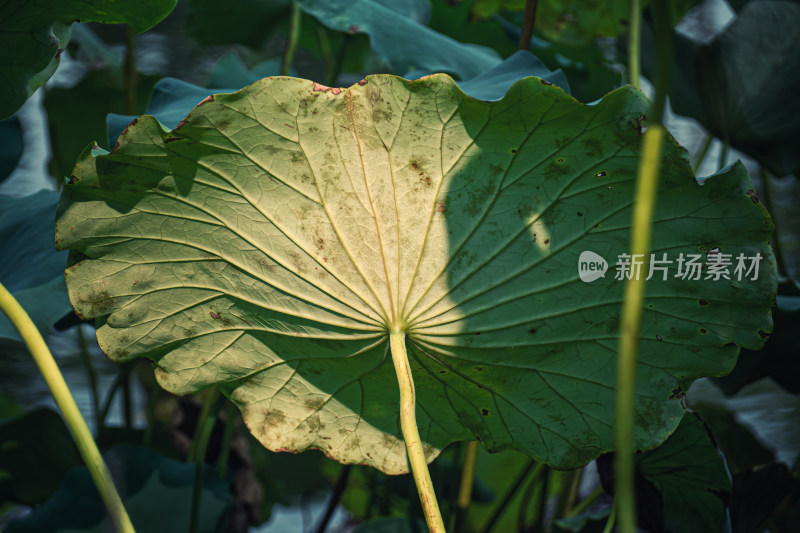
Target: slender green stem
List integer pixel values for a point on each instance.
(205, 426)
(467, 481)
(527, 496)
(646, 187)
(87, 362)
(634, 43)
(703, 152)
(324, 40)
(66, 403)
(568, 496)
(152, 403)
(408, 423)
(336, 497)
(541, 503)
(510, 493)
(127, 398)
(528, 21)
(130, 71)
(291, 39)
(723, 155)
(205, 410)
(586, 502)
(611, 519)
(231, 412)
(110, 396)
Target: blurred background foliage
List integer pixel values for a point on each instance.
(733, 95)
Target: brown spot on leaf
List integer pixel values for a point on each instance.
(545, 82)
(485, 412)
(702, 302)
(362, 82)
(440, 207)
(752, 194)
(214, 315)
(763, 334)
(72, 179)
(209, 98)
(703, 331)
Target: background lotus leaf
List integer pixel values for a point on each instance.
(33, 35)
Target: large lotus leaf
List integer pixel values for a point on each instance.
(33, 34)
(399, 36)
(269, 243)
(736, 85)
(31, 268)
(156, 491)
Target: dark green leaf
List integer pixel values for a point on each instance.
(11, 144)
(779, 359)
(247, 22)
(36, 451)
(737, 85)
(31, 268)
(77, 115)
(690, 475)
(33, 34)
(398, 35)
(157, 494)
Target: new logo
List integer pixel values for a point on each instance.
(591, 266)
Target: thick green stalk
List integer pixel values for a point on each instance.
(646, 186)
(291, 39)
(467, 480)
(630, 327)
(72, 415)
(634, 43)
(408, 423)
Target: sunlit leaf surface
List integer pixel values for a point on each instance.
(269, 242)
